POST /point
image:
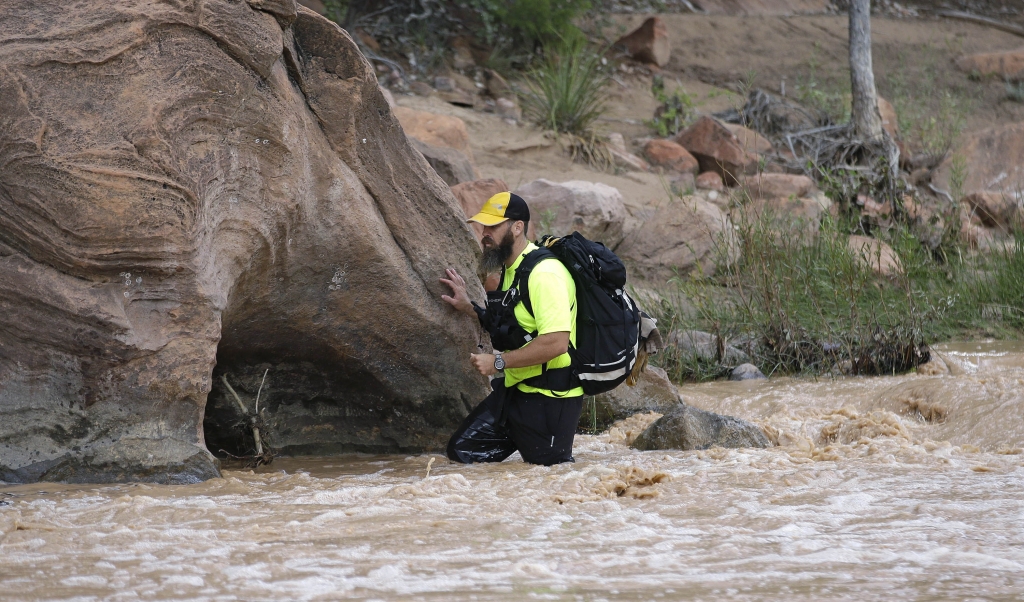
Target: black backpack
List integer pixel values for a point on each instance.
(607, 319)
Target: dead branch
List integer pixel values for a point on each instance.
(978, 19)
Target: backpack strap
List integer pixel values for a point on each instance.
(530, 261)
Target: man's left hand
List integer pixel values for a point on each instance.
(483, 362)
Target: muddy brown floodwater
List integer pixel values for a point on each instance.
(908, 487)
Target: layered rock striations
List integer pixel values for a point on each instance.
(190, 190)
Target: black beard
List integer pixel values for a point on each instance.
(494, 259)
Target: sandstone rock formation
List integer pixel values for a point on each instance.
(777, 186)
(593, 209)
(688, 428)
(750, 140)
(648, 43)
(197, 189)
(1001, 210)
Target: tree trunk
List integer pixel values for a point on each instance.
(867, 122)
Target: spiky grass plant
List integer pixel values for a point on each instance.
(565, 92)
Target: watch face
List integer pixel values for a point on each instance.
(499, 363)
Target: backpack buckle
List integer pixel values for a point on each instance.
(510, 297)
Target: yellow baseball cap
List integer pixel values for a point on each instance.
(502, 207)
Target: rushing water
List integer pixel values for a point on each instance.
(908, 487)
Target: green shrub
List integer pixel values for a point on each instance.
(531, 22)
(675, 112)
(566, 90)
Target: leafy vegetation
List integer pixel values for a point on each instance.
(810, 304)
(676, 110)
(566, 90)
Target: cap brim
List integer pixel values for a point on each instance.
(487, 219)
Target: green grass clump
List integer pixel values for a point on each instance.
(810, 305)
(676, 110)
(566, 90)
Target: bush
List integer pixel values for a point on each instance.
(533, 23)
(566, 91)
(809, 305)
(675, 112)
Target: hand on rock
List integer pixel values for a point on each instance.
(460, 298)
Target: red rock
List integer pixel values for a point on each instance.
(875, 254)
(717, 149)
(992, 161)
(890, 122)
(995, 209)
(648, 43)
(777, 185)
(750, 140)
(670, 156)
(872, 208)
(1006, 65)
(710, 180)
(433, 129)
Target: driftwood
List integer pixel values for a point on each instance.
(256, 423)
(978, 19)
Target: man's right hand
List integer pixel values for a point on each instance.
(460, 298)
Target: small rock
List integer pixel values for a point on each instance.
(750, 140)
(705, 346)
(890, 123)
(747, 372)
(690, 428)
(777, 185)
(710, 180)
(627, 160)
(617, 142)
(420, 88)
(717, 149)
(875, 254)
(496, 85)
(670, 156)
(508, 109)
(648, 43)
(444, 83)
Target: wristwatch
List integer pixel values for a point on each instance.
(499, 362)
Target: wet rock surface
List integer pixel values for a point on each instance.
(689, 428)
(654, 392)
(219, 184)
(746, 372)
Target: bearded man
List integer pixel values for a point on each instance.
(536, 406)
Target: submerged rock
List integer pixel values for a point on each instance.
(654, 392)
(687, 428)
(747, 372)
(196, 189)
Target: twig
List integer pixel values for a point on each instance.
(962, 16)
(429, 464)
(245, 410)
(260, 391)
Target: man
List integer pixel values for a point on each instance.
(536, 407)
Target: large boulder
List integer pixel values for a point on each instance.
(704, 346)
(689, 428)
(875, 255)
(749, 139)
(676, 237)
(1008, 64)
(648, 43)
(595, 210)
(717, 149)
(992, 161)
(777, 186)
(654, 392)
(191, 191)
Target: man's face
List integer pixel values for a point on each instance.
(492, 235)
